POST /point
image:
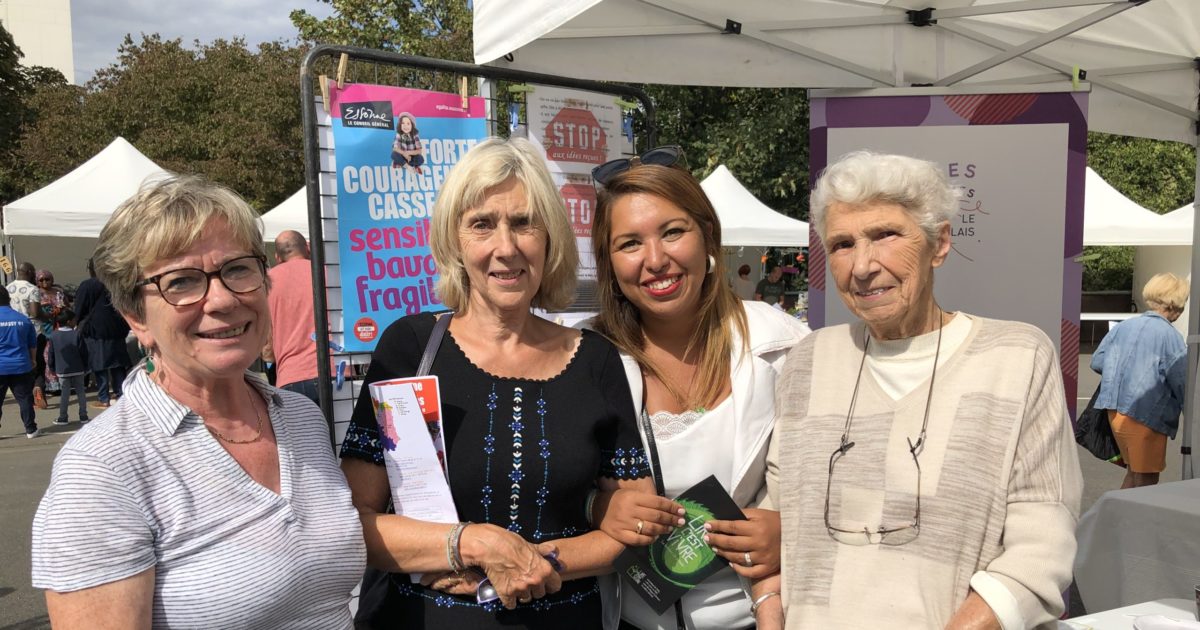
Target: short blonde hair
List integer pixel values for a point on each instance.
(488, 165)
(162, 220)
(863, 177)
(1165, 291)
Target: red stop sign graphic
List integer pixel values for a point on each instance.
(581, 203)
(574, 135)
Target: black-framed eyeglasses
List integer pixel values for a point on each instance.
(183, 287)
(668, 155)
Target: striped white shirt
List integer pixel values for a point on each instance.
(146, 485)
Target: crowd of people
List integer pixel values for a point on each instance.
(913, 469)
(76, 338)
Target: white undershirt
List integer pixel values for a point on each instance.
(900, 365)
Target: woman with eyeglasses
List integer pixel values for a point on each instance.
(702, 366)
(924, 462)
(204, 497)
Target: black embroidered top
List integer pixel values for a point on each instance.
(522, 454)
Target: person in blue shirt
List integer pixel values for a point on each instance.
(18, 343)
(1142, 366)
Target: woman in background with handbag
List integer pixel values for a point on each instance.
(702, 365)
(1142, 366)
(534, 416)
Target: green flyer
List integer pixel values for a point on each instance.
(672, 565)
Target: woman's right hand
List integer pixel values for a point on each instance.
(635, 518)
(517, 569)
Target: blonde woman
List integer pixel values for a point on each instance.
(1143, 367)
(535, 415)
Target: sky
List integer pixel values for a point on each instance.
(99, 26)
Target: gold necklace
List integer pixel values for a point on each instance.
(258, 429)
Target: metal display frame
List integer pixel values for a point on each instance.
(309, 102)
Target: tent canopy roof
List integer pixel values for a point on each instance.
(290, 214)
(746, 221)
(79, 203)
(1110, 218)
(1138, 56)
(1182, 218)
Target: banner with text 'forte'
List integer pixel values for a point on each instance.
(394, 148)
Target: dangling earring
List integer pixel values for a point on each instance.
(149, 358)
(712, 264)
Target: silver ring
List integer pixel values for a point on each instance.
(640, 525)
(746, 559)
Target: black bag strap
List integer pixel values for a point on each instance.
(656, 469)
(435, 342)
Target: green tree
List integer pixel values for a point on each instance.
(17, 85)
(760, 135)
(1155, 174)
(12, 88)
(219, 109)
(440, 29)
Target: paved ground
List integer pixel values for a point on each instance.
(25, 471)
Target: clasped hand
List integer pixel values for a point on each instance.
(516, 567)
(637, 518)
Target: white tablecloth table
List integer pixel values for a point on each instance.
(1140, 545)
(1122, 618)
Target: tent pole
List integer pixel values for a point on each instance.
(1193, 339)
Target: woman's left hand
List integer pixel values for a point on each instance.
(464, 582)
(756, 539)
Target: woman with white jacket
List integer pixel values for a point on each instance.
(702, 366)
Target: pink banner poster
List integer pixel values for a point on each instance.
(393, 148)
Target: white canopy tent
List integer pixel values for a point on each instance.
(746, 221)
(1139, 57)
(56, 227)
(1182, 219)
(1110, 218)
(79, 203)
(291, 214)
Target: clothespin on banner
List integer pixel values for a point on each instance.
(627, 108)
(625, 105)
(1077, 74)
(323, 81)
(341, 75)
(462, 91)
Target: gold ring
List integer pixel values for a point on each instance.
(746, 559)
(640, 525)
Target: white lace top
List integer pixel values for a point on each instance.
(719, 601)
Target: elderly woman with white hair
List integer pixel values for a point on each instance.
(1143, 366)
(923, 460)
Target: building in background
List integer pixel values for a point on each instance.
(42, 30)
